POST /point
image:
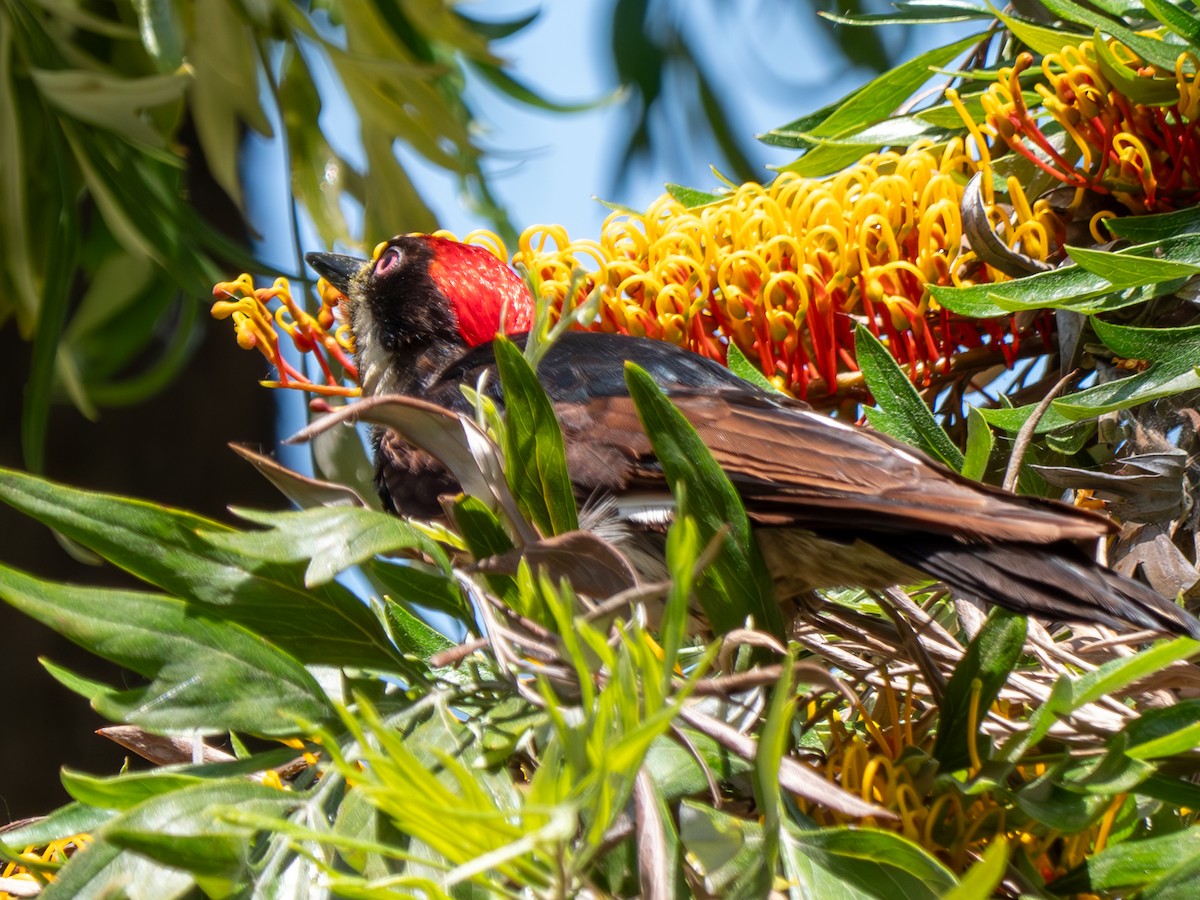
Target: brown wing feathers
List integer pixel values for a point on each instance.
(797, 468)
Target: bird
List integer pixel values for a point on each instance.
(831, 504)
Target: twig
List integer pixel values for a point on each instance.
(1025, 435)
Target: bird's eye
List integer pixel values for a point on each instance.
(389, 260)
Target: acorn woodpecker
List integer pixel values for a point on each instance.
(833, 505)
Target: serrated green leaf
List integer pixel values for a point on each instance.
(737, 583)
(207, 674)
(534, 452)
(904, 410)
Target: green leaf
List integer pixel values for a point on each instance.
(860, 863)
(1152, 51)
(794, 134)
(1169, 731)
(746, 370)
(692, 198)
(112, 102)
(773, 743)
(485, 537)
(915, 12)
(106, 871)
(326, 625)
(1071, 692)
(1156, 227)
(728, 849)
(125, 790)
(1071, 287)
(1160, 380)
(1124, 270)
(64, 822)
(185, 829)
(982, 879)
(207, 674)
(225, 91)
(902, 413)
(736, 584)
(880, 98)
(1011, 419)
(1183, 22)
(330, 538)
(975, 684)
(1177, 346)
(160, 31)
(415, 585)
(413, 636)
(980, 442)
(1055, 806)
(51, 316)
(1131, 865)
(873, 103)
(1144, 89)
(535, 456)
(522, 93)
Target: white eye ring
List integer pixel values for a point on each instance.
(388, 260)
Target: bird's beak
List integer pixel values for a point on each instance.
(336, 268)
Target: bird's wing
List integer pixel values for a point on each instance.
(794, 467)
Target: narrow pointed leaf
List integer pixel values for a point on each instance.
(737, 583)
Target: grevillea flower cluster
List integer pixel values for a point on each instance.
(886, 760)
(786, 271)
(256, 327)
(1147, 155)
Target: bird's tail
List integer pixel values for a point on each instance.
(1055, 581)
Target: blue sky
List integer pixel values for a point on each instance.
(768, 58)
